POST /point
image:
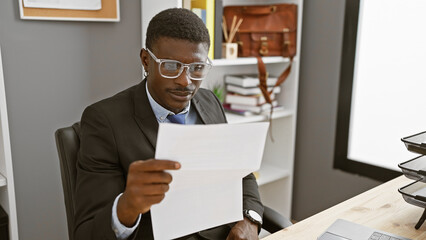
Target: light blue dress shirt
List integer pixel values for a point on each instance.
(121, 231)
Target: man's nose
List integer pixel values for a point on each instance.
(183, 79)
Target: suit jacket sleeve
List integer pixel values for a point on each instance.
(99, 177)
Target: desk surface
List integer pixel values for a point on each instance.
(381, 208)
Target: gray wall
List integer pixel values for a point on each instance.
(317, 185)
(54, 69)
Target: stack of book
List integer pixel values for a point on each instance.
(244, 97)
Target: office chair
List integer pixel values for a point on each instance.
(68, 144)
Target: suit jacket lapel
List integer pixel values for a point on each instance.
(206, 116)
(144, 115)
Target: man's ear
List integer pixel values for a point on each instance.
(144, 59)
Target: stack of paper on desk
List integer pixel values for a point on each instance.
(207, 190)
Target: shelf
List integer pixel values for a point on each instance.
(248, 61)
(235, 118)
(2, 181)
(269, 173)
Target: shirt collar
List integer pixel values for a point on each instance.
(159, 111)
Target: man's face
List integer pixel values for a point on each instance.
(173, 94)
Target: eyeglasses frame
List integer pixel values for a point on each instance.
(209, 64)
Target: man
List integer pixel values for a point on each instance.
(117, 178)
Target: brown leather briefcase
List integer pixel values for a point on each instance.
(265, 30)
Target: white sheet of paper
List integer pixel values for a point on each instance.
(65, 4)
(207, 191)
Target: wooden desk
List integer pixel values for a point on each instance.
(381, 208)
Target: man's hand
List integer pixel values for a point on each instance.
(244, 229)
(147, 183)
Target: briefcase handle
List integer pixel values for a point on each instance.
(259, 10)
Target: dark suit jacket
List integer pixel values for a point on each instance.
(117, 131)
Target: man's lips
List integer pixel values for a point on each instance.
(181, 95)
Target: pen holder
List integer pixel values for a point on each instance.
(229, 50)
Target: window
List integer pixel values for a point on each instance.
(382, 95)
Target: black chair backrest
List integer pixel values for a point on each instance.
(68, 144)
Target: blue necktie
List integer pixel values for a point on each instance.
(178, 118)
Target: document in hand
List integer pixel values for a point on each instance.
(207, 191)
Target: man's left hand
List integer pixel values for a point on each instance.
(244, 229)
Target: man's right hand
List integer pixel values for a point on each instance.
(147, 183)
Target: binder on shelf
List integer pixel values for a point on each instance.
(218, 12)
(209, 7)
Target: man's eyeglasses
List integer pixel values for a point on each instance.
(173, 69)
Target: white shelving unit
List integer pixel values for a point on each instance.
(276, 173)
(7, 186)
(275, 177)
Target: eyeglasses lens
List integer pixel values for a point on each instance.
(174, 68)
(198, 70)
(170, 68)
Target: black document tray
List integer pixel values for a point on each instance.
(415, 168)
(416, 143)
(415, 193)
